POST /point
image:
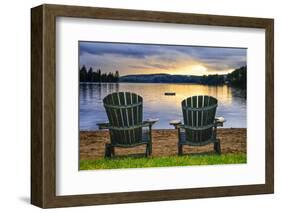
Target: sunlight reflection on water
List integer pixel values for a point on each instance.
(232, 103)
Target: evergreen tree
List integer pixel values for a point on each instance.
(110, 77)
(99, 76)
(116, 76)
(90, 75)
(103, 77)
(238, 77)
(83, 74)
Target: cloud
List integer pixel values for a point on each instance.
(139, 67)
(128, 50)
(150, 66)
(144, 58)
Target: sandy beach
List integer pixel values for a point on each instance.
(164, 143)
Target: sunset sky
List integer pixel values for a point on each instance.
(131, 59)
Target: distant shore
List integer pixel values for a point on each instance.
(233, 140)
(124, 82)
(237, 77)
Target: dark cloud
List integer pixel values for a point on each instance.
(217, 58)
(148, 65)
(128, 50)
(165, 57)
(142, 50)
(160, 66)
(138, 67)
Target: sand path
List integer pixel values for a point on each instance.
(164, 143)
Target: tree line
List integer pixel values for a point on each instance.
(213, 79)
(238, 77)
(89, 75)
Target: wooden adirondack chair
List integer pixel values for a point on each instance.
(200, 124)
(126, 126)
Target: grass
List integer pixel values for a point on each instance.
(187, 160)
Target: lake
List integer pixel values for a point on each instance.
(232, 103)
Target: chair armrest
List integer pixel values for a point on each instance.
(103, 125)
(150, 121)
(175, 123)
(219, 121)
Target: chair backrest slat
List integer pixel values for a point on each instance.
(124, 112)
(198, 115)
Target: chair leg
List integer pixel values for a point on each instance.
(217, 147)
(150, 148)
(112, 150)
(107, 153)
(147, 150)
(180, 151)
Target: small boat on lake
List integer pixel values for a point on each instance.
(169, 93)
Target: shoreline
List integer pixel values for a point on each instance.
(164, 143)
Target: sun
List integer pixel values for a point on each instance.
(198, 69)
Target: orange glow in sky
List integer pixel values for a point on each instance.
(131, 59)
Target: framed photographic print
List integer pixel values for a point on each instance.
(137, 106)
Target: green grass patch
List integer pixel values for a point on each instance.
(142, 162)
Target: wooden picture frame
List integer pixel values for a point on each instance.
(43, 105)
